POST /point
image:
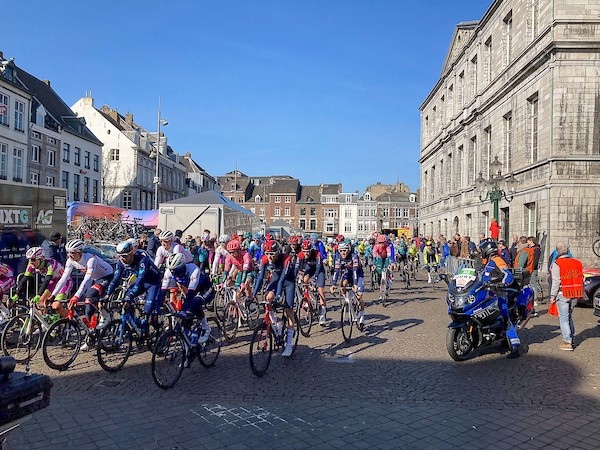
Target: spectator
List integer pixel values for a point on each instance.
(567, 288)
(53, 248)
(495, 229)
(153, 243)
(471, 248)
(503, 252)
(143, 241)
(455, 246)
(537, 253)
(522, 260)
(514, 249)
(464, 247)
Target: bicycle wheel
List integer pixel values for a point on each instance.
(168, 359)
(220, 303)
(596, 247)
(112, 350)
(261, 348)
(231, 320)
(296, 333)
(61, 344)
(305, 317)
(210, 350)
(347, 322)
(18, 338)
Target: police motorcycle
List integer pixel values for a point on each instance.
(474, 307)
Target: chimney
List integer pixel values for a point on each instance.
(114, 114)
(129, 119)
(46, 82)
(188, 155)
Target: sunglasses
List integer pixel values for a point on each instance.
(270, 253)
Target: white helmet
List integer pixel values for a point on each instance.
(166, 236)
(125, 248)
(224, 239)
(74, 245)
(134, 243)
(35, 253)
(175, 261)
(343, 246)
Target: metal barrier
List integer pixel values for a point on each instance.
(453, 264)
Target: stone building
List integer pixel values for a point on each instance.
(520, 86)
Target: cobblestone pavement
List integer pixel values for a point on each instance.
(394, 386)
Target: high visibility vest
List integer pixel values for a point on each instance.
(571, 277)
(529, 263)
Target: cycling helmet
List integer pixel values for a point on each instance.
(330, 241)
(35, 253)
(175, 261)
(381, 239)
(134, 243)
(307, 245)
(125, 248)
(244, 245)
(257, 236)
(488, 249)
(233, 245)
(343, 246)
(272, 246)
(74, 245)
(235, 237)
(340, 238)
(314, 236)
(371, 240)
(205, 237)
(166, 236)
(247, 235)
(428, 244)
(224, 239)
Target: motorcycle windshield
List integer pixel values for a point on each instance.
(467, 280)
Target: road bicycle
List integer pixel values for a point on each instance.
(22, 335)
(240, 312)
(225, 294)
(385, 286)
(269, 337)
(174, 349)
(405, 271)
(350, 313)
(307, 306)
(375, 279)
(413, 266)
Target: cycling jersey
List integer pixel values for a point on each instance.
(220, 255)
(311, 264)
(349, 268)
(51, 272)
(7, 278)
(94, 268)
(162, 253)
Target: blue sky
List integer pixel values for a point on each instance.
(323, 90)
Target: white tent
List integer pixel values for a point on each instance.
(208, 210)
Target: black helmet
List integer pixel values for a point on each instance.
(488, 249)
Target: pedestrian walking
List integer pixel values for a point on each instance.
(567, 289)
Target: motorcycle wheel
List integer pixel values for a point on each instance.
(459, 344)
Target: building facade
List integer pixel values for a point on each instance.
(129, 159)
(519, 86)
(198, 180)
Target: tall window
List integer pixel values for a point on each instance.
(4, 109)
(277, 211)
(287, 211)
(488, 60)
(474, 76)
(313, 224)
(76, 180)
(34, 178)
(77, 156)
(459, 163)
(508, 22)
(277, 199)
(17, 164)
(450, 101)
(19, 114)
(530, 219)
(472, 160)
(86, 189)
(303, 224)
(288, 199)
(302, 211)
(65, 180)
(114, 154)
(51, 157)
(461, 89)
(66, 153)
(127, 199)
(86, 159)
(487, 152)
(95, 191)
(313, 211)
(533, 127)
(507, 141)
(96, 166)
(35, 153)
(50, 181)
(535, 18)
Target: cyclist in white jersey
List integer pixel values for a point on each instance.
(220, 255)
(170, 246)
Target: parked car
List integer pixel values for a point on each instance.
(591, 286)
(106, 251)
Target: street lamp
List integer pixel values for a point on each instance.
(497, 187)
(382, 216)
(164, 123)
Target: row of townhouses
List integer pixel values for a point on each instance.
(511, 126)
(324, 208)
(97, 155)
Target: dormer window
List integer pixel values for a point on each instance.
(413, 198)
(257, 199)
(367, 196)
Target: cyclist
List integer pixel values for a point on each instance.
(98, 274)
(348, 269)
(220, 255)
(7, 281)
(197, 289)
(254, 247)
(147, 281)
(282, 277)
(51, 272)
(310, 264)
(238, 268)
(382, 256)
(169, 246)
(430, 259)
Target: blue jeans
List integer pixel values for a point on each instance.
(565, 316)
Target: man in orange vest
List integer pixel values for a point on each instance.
(567, 289)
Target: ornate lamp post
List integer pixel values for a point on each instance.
(497, 187)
